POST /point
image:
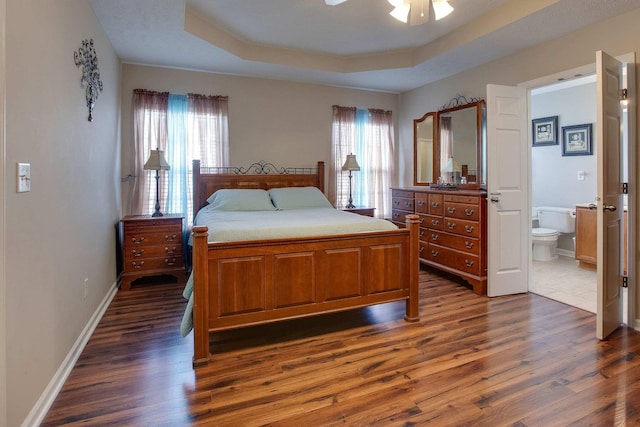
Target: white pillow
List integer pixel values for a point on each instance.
(298, 198)
(241, 200)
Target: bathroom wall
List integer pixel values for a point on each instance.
(554, 177)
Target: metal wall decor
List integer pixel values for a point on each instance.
(86, 57)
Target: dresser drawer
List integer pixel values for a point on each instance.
(401, 193)
(462, 243)
(432, 221)
(462, 227)
(461, 199)
(422, 203)
(451, 258)
(461, 210)
(402, 204)
(399, 216)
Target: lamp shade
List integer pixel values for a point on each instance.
(452, 166)
(351, 164)
(156, 161)
(441, 8)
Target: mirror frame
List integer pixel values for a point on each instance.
(479, 105)
(434, 138)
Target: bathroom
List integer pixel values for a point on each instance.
(563, 175)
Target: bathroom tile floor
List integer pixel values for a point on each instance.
(562, 280)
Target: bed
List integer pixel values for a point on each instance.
(252, 281)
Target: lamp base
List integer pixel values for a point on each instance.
(157, 213)
(350, 206)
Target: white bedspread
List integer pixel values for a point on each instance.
(256, 225)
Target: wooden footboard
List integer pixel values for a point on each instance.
(248, 283)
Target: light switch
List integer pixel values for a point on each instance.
(580, 175)
(23, 177)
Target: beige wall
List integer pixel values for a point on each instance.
(63, 230)
(616, 36)
(286, 123)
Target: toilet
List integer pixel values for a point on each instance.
(551, 222)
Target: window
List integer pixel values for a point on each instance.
(369, 135)
(185, 127)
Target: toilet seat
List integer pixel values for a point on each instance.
(544, 232)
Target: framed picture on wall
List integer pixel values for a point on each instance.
(545, 131)
(576, 140)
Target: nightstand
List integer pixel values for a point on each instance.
(152, 246)
(360, 211)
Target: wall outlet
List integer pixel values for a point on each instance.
(86, 287)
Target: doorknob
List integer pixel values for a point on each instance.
(494, 197)
(610, 208)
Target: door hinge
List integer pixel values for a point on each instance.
(625, 188)
(625, 282)
(623, 94)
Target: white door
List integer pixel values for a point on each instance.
(507, 185)
(610, 198)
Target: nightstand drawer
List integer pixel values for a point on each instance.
(151, 251)
(150, 264)
(147, 238)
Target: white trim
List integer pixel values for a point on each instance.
(40, 409)
(566, 252)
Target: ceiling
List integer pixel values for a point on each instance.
(355, 44)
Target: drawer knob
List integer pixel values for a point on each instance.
(421, 220)
(407, 204)
(421, 249)
(170, 238)
(171, 261)
(469, 228)
(421, 233)
(420, 202)
(469, 212)
(435, 222)
(451, 225)
(435, 204)
(136, 253)
(395, 215)
(435, 253)
(468, 263)
(136, 265)
(451, 210)
(396, 203)
(170, 251)
(469, 245)
(435, 237)
(137, 241)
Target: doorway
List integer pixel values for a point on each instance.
(563, 185)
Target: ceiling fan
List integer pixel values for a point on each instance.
(417, 15)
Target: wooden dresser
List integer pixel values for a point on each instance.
(151, 247)
(453, 230)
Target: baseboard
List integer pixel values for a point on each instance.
(42, 406)
(566, 252)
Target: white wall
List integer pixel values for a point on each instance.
(62, 231)
(286, 123)
(554, 176)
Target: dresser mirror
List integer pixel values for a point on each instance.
(459, 147)
(424, 132)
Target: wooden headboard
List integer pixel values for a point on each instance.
(258, 175)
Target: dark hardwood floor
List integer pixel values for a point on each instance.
(520, 360)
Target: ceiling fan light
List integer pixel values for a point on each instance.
(396, 3)
(441, 8)
(333, 2)
(401, 11)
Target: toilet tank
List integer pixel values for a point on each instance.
(559, 219)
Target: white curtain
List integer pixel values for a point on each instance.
(369, 134)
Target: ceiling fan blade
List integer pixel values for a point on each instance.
(333, 2)
(441, 8)
(419, 13)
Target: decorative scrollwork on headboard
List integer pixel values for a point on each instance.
(259, 168)
(460, 100)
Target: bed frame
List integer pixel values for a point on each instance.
(246, 283)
